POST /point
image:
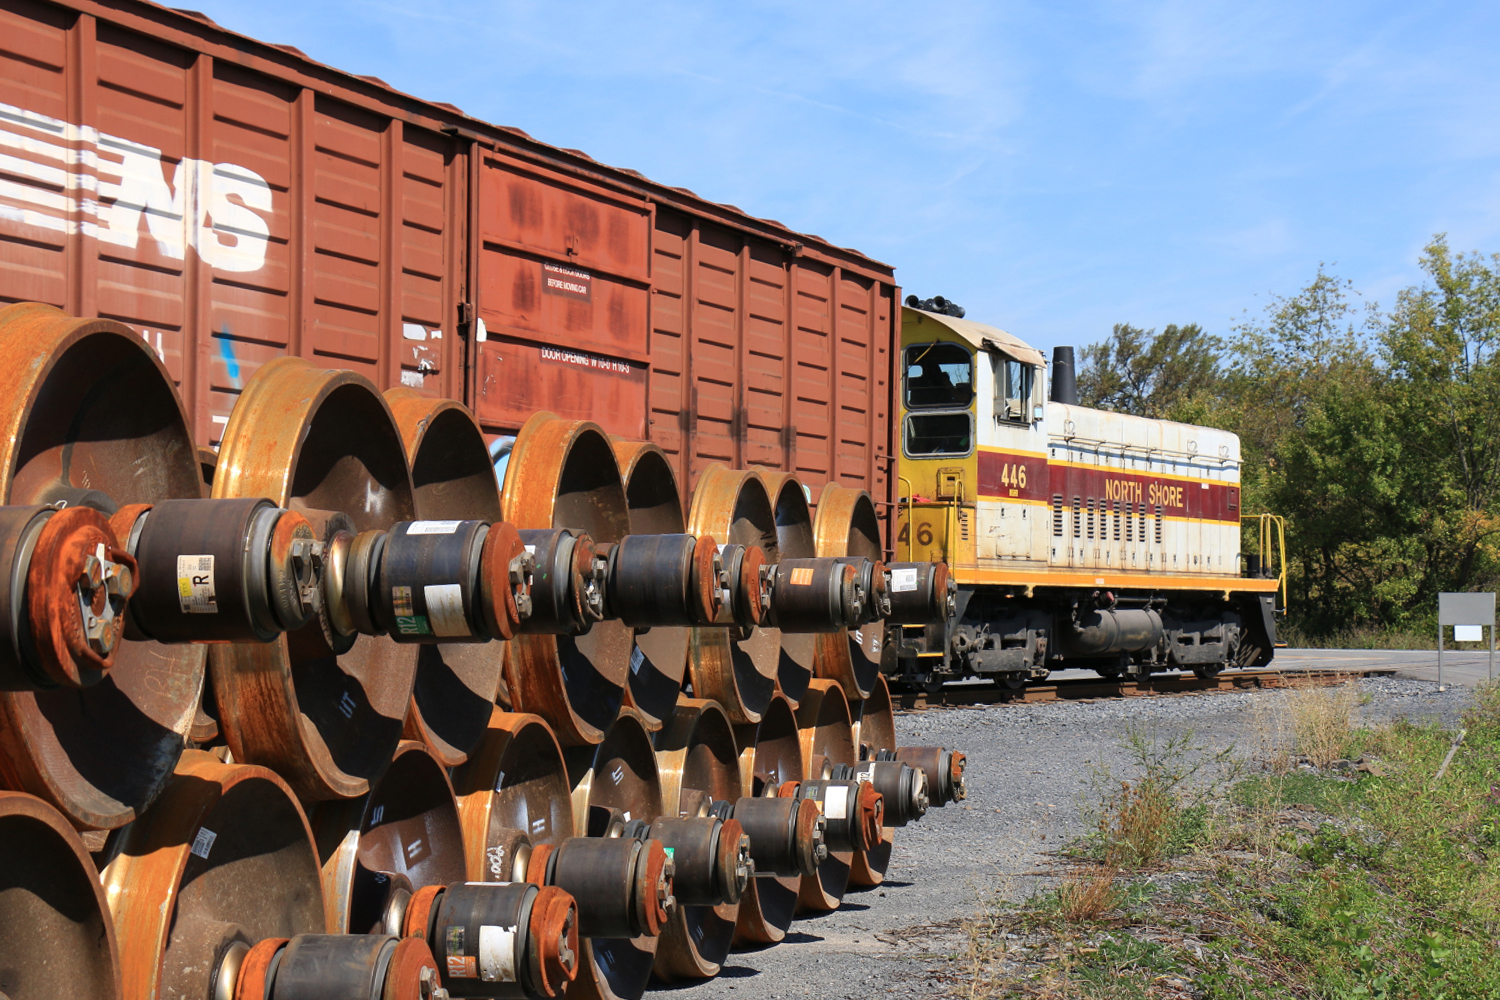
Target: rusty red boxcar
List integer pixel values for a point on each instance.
(236, 201)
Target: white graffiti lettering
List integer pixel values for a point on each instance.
(71, 179)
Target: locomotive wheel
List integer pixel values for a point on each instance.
(59, 940)
(90, 416)
(824, 727)
(313, 439)
(224, 856)
(563, 474)
(659, 661)
(770, 751)
(794, 540)
(699, 764)
(452, 479)
(514, 780)
(874, 730)
(619, 777)
(846, 525)
(740, 674)
(406, 826)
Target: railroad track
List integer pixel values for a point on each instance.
(1091, 689)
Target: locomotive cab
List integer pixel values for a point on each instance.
(1077, 537)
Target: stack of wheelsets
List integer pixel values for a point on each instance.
(328, 714)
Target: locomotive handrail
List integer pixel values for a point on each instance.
(1272, 529)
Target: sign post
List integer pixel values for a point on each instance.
(1466, 611)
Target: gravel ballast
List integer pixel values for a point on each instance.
(1031, 768)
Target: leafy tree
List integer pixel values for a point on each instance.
(1149, 374)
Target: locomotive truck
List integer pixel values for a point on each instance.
(1077, 537)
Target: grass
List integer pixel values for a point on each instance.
(1294, 881)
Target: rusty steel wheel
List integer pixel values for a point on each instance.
(827, 737)
(59, 941)
(659, 661)
(617, 778)
(563, 474)
(794, 540)
(874, 730)
(770, 755)
(699, 763)
(846, 525)
(315, 440)
(90, 417)
(452, 479)
(223, 859)
(740, 674)
(513, 794)
(380, 848)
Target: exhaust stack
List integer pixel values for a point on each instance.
(1064, 377)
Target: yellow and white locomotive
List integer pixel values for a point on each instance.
(1077, 537)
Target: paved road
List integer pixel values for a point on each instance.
(1466, 668)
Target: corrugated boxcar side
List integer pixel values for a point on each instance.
(236, 202)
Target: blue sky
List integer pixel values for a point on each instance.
(1054, 167)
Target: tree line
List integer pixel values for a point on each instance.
(1375, 432)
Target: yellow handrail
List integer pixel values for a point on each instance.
(909, 527)
(1272, 547)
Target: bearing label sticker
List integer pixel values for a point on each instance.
(836, 802)
(195, 585)
(802, 576)
(445, 609)
(204, 842)
(903, 580)
(432, 527)
(408, 622)
(460, 966)
(497, 954)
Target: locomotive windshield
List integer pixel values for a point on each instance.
(939, 375)
(929, 434)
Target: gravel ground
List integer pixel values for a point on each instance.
(1030, 770)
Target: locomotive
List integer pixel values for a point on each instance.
(1077, 537)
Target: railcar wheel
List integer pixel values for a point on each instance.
(846, 525)
(874, 730)
(794, 540)
(513, 795)
(827, 736)
(90, 417)
(452, 479)
(699, 763)
(563, 474)
(739, 673)
(59, 941)
(770, 755)
(223, 860)
(400, 837)
(616, 779)
(316, 440)
(659, 661)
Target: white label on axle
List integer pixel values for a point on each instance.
(903, 580)
(445, 609)
(432, 527)
(195, 585)
(636, 659)
(204, 842)
(836, 801)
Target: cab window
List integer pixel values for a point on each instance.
(930, 434)
(1013, 382)
(938, 375)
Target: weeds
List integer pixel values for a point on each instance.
(1363, 885)
(1320, 720)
